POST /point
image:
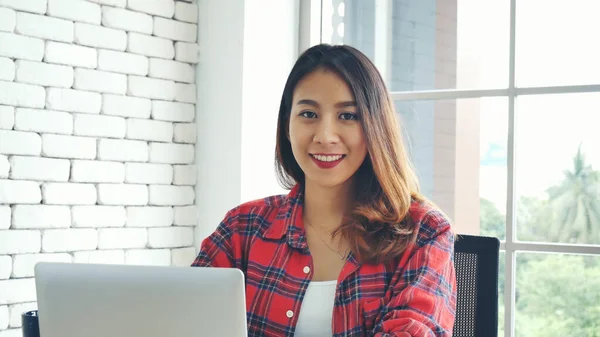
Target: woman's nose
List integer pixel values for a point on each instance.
(326, 132)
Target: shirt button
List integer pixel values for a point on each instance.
(306, 270)
(289, 314)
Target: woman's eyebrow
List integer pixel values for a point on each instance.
(314, 103)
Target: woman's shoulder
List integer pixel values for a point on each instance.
(430, 219)
(257, 213)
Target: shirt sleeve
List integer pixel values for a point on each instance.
(218, 249)
(424, 298)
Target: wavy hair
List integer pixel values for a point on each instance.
(379, 227)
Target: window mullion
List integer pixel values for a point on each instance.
(511, 217)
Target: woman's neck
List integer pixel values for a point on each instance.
(325, 206)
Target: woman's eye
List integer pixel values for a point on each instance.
(349, 116)
(308, 114)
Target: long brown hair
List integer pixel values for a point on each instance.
(379, 227)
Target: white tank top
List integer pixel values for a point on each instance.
(314, 319)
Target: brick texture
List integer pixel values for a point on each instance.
(97, 138)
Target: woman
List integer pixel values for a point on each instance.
(353, 249)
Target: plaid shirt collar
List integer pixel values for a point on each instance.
(290, 224)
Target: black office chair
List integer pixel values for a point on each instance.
(476, 263)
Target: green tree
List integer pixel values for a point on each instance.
(558, 297)
(575, 204)
(492, 222)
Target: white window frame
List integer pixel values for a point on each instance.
(311, 11)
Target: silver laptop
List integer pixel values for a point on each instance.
(94, 300)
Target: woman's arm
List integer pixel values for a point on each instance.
(424, 297)
(218, 249)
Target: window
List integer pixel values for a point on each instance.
(499, 101)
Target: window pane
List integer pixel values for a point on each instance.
(433, 44)
(554, 42)
(557, 295)
(558, 168)
(458, 148)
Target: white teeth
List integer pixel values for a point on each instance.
(328, 158)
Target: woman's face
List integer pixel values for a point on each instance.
(325, 133)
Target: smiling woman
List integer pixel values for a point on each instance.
(324, 130)
(375, 257)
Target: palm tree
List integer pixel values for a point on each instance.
(575, 204)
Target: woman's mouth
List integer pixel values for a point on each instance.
(327, 161)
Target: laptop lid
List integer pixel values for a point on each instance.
(96, 300)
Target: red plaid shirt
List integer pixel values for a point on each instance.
(415, 295)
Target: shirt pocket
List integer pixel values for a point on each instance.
(371, 314)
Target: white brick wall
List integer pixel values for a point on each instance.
(100, 37)
(171, 70)
(185, 216)
(97, 134)
(147, 129)
(40, 216)
(70, 54)
(182, 257)
(122, 150)
(36, 168)
(4, 316)
(74, 10)
(100, 256)
(73, 100)
(68, 240)
(171, 153)
(15, 311)
(163, 195)
(187, 52)
(120, 238)
(17, 291)
(122, 194)
(24, 264)
(98, 216)
(186, 12)
(175, 30)
(155, 257)
(184, 174)
(149, 216)
(5, 267)
(29, 48)
(185, 133)
(8, 19)
(7, 69)
(185, 93)
(164, 8)
(170, 237)
(93, 171)
(126, 106)
(44, 27)
(146, 173)
(127, 20)
(19, 94)
(100, 81)
(7, 117)
(68, 146)
(43, 121)
(43, 74)
(5, 214)
(173, 111)
(120, 62)
(99, 126)
(150, 45)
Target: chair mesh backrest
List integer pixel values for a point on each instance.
(466, 299)
(476, 263)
